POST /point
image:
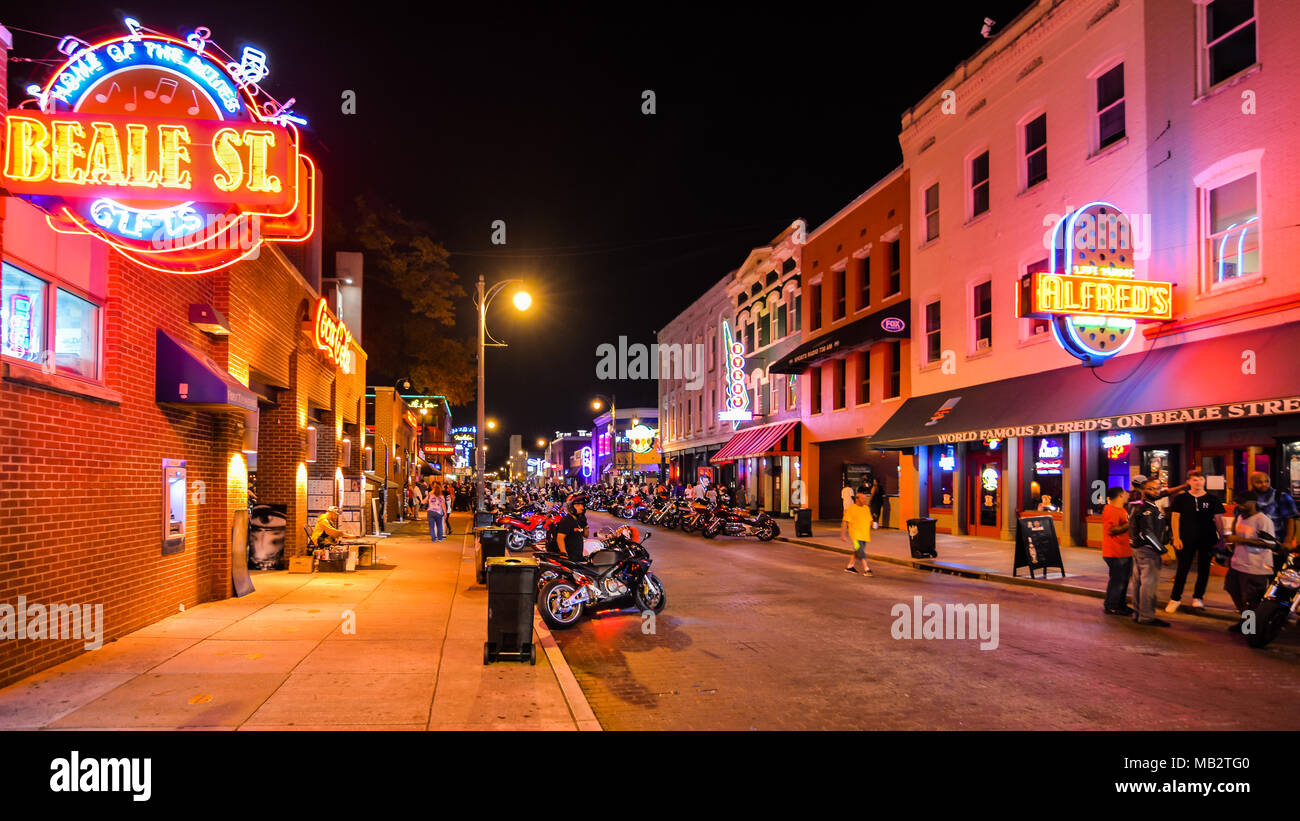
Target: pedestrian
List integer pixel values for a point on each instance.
(846, 496)
(572, 527)
(877, 498)
(1192, 523)
(855, 529)
(711, 494)
(447, 499)
(437, 511)
(1251, 570)
(1116, 552)
(1280, 508)
(1146, 530)
(689, 493)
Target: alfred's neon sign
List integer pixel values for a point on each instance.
(333, 337)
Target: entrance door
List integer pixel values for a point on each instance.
(985, 483)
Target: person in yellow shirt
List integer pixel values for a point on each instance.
(856, 530)
(327, 533)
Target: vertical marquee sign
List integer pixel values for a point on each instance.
(1090, 292)
(165, 148)
(737, 397)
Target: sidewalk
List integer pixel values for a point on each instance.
(992, 559)
(395, 647)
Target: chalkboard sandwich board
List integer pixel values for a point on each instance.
(1036, 546)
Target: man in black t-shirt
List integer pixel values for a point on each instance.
(1195, 534)
(572, 529)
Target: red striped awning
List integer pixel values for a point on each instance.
(753, 441)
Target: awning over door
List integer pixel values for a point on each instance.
(187, 378)
(753, 441)
(1171, 384)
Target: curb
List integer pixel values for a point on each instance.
(938, 567)
(581, 710)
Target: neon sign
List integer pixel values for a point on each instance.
(948, 461)
(166, 149)
(1117, 444)
(1049, 458)
(19, 340)
(588, 463)
(737, 396)
(334, 338)
(1090, 291)
(989, 478)
(641, 438)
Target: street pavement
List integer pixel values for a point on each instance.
(778, 636)
(394, 647)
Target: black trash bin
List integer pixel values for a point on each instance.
(491, 543)
(512, 583)
(803, 522)
(920, 538)
(484, 518)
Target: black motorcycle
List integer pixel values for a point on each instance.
(727, 521)
(612, 578)
(1279, 602)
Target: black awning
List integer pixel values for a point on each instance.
(188, 378)
(893, 322)
(1170, 384)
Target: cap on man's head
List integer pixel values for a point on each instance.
(1140, 480)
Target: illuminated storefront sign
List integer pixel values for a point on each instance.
(166, 149)
(19, 341)
(1049, 461)
(588, 463)
(1090, 292)
(439, 450)
(989, 479)
(641, 438)
(1117, 444)
(948, 461)
(737, 398)
(334, 338)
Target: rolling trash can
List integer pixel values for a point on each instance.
(491, 543)
(803, 522)
(512, 583)
(920, 538)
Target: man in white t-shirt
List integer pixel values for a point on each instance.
(1251, 568)
(846, 496)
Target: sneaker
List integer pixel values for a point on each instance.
(875, 525)
(1172, 607)
(850, 570)
(1154, 623)
(1198, 604)
(868, 573)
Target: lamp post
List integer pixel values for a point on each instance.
(483, 298)
(596, 405)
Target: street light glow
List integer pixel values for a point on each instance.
(522, 300)
(596, 404)
(491, 424)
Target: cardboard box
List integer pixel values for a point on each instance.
(300, 564)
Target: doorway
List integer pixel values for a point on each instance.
(985, 482)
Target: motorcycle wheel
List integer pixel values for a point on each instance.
(1270, 618)
(687, 527)
(655, 603)
(516, 540)
(708, 532)
(766, 533)
(549, 605)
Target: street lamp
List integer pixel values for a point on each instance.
(482, 298)
(597, 404)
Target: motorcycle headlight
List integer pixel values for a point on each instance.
(1289, 578)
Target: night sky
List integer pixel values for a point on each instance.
(618, 220)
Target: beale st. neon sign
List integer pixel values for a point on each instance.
(1090, 292)
(165, 148)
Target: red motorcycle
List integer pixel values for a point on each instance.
(528, 527)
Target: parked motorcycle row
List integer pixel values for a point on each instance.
(709, 520)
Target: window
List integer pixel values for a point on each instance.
(815, 389)
(775, 400)
(1229, 39)
(28, 326)
(841, 298)
(749, 337)
(943, 462)
(933, 344)
(864, 283)
(1032, 326)
(1110, 107)
(840, 383)
(895, 369)
(788, 265)
(764, 330)
(1045, 488)
(1036, 151)
(982, 314)
(864, 377)
(798, 312)
(713, 350)
(932, 212)
(781, 312)
(1233, 242)
(815, 320)
(895, 267)
(979, 184)
(792, 391)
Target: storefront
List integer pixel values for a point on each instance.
(763, 463)
(855, 461)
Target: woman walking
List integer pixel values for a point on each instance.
(437, 512)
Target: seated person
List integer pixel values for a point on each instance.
(326, 532)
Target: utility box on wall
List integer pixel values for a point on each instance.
(175, 495)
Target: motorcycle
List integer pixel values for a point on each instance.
(613, 577)
(528, 527)
(694, 514)
(1280, 599)
(738, 522)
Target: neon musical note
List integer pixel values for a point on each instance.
(198, 39)
(165, 97)
(103, 98)
(194, 109)
(133, 26)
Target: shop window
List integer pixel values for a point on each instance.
(931, 201)
(933, 342)
(841, 298)
(864, 377)
(979, 184)
(895, 267)
(895, 369)
(1233, 242)
(815, 389)
(840, 379)
(864, 283)
(942, 465)
(815, 319)
(23, 315)
(1036, 151)
(1045, 486)
(982, 316)
(35, 312)
(76, 335)
(1111, 468)
(1229, 44)
(1110, 107)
